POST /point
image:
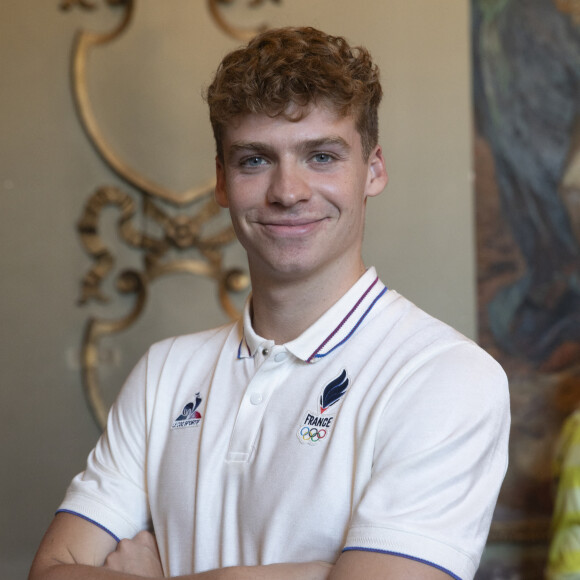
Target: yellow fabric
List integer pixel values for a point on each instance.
(564, 556)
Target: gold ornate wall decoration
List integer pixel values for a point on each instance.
(184, 222)
(238, 33)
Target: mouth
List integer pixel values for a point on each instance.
(291, 227)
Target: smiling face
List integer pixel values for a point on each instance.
(296, 192)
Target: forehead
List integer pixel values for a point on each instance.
(295, 125)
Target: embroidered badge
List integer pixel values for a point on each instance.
(316, 426)
(190, 416)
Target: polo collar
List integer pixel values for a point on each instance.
(325, 335)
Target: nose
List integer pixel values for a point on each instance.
(288, 185)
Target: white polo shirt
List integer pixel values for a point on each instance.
(379, 428)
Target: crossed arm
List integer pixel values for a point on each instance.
(74, 549)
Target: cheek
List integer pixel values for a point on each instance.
(242, 235)
(334, 190)
(243, 194)
(347, 196)
(239, 209)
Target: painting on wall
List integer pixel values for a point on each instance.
(526, 92)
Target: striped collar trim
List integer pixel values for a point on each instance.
(244, 348)
(351, 321)
(324, 336)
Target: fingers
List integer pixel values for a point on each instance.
(138, 556)
(147, 539)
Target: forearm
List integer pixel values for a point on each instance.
(293, 571)
(74, 549)
(77, 572)
(297, 571)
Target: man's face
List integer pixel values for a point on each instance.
(297, 192)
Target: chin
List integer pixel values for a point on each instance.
(289, 269)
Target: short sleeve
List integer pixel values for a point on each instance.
(439, 461)
(111, 492)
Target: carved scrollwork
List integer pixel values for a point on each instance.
(237, 33)
(128, 282)
(87, 4)
(178, 233)
(88, 227)
(85, 42)
(182, 219)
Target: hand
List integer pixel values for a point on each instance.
(138, 556)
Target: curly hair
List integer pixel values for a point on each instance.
(296, 66)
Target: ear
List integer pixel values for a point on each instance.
(220, 185)
(377, 177)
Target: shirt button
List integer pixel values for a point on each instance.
(256, 398)
(265, 351)
(281, 356)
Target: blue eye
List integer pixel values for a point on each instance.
(254, 161)
(322, 158)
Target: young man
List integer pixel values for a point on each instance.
(336, 431)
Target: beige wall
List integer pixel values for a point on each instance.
(146, 92)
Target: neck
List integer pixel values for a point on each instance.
(283, 309)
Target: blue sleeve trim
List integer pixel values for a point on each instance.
(404, 556)
(91, 521)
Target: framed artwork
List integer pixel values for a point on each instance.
(526, 92)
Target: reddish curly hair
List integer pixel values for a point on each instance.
(296, 66)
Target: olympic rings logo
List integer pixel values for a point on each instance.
(312, 434)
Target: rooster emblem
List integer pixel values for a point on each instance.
(190, 410)
(190, 416)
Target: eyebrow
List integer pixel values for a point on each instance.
(301, 147)
(248, 146)
(323, 142)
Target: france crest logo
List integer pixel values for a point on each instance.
(316, 426)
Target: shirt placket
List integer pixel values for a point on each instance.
(273, 368)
